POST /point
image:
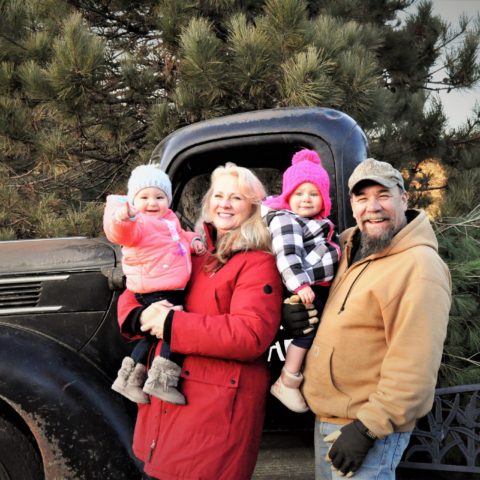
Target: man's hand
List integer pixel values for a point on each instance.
(297, 318)
(350, 447)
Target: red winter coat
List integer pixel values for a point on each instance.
(230, 319)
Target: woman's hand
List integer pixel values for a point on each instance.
(199, 247)
(153, 317)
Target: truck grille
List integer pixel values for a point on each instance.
(22, 294)
(17, 295)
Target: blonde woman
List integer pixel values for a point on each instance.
(231, 316)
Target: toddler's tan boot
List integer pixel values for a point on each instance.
(130, 380)
(134, 389)
(162, 381)
(287, 390)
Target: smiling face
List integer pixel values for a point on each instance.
(378, 210)
(306, 200)
(151, 201)
(228, 208)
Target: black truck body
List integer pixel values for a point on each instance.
(60, 347)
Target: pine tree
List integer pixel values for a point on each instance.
(75, 103)
(88, 87)
(459, 240)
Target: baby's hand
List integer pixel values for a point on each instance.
(125, 212)
(306, 294)
(199, 247)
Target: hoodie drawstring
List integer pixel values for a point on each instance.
(342, 308)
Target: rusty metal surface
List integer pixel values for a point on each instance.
(56, 466)
(82, 428)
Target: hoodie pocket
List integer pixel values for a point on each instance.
(322, 394)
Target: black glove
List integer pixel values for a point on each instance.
(297, 319)
(351, 447)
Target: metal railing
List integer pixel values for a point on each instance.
(448, 438)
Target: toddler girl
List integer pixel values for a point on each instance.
(157, 264)
(305, 245)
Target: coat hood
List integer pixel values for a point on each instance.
(417, 232)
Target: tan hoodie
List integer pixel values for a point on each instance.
(378, 348)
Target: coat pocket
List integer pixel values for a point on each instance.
(223, 297)
(211, 392)
(323, 396)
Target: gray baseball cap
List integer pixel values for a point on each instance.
(379, 172)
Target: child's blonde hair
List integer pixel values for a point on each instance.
(252, 234)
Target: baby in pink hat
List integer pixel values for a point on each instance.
(307, 254)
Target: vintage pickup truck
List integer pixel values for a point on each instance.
(60, 346)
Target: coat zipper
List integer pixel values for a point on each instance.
(152, 447)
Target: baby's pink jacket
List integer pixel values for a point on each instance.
(152, 259)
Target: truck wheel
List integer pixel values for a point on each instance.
(18, 456)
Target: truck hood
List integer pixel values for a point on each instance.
(76, 254)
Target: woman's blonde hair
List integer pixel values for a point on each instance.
(252, 234)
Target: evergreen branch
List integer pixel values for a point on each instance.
(471, 220)
(92, 155)
(108, 16)
(467, 140)
(430, 189)
(464, 359)
(13, 42)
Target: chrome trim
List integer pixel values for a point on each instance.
(45, 278)
(43, 239)
(10, 311)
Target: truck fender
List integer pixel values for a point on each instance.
(78, 422)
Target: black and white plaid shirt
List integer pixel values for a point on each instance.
(306, 249)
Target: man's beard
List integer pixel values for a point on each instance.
(370, 245)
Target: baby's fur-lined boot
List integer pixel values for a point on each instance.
(287, 390)
(130, 380)
(162, 381)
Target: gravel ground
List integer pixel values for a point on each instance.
(290, 456)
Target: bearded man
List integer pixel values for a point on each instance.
(372, 369)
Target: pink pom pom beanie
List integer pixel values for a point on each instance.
(306, 167)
